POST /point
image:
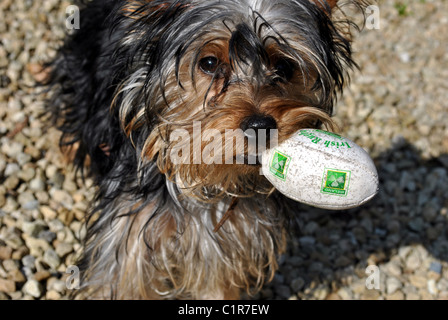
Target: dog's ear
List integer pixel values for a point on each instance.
(332, 3)
(140, 8)
(324, 4)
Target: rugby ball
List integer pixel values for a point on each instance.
(321, 169)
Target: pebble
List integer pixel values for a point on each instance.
(10, 265)
(411, 293)
(2, 199)
(311, 228)
(5, 253)
(13, 241)
(53, 295)
(27, 174)
(333, 296)
(397, 295)
(392, 285)
(16, 295)
(33, 288)
(443, 284)
(37, 184)
(56, 226)
(62, 197)
(413, 261)
(48, 213)
(62, 249)
(393, 226)
(7, 286)
(432, 287)
(36, 246)
(418, 281)
(28, 201)
(267, 294)
(371, 295)
(343, 261)
(52, 258)
(11, 182)
(307, 241)
(33, 228)
(47, 235)
(16, 276)
(28, 261)
(41, 275)
(345, 294)
(56, 284)
(380, 232)
(321, 292)
(55, 177)
(11, 148)
(367, 225)
(3, 296)
(404, 251)
(436, 267)
(66, 216)
(11, 169)
(283, 291)
(430, 211)
(393, 268)
(297, 284)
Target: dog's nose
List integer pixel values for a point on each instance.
(258, 122)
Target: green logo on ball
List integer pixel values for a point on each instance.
(279, 165)
(336, 182)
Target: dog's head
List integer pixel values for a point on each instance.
(207, 75)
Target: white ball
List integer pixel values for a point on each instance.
(321, 169)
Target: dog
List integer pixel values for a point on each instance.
(136, 73)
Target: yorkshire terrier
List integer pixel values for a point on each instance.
(139, 71)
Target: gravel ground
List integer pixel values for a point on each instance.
(396, 108)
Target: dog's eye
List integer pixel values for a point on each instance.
(209, 65)
(284, 69)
